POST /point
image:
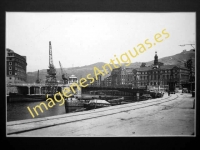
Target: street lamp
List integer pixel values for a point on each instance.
(158, 79)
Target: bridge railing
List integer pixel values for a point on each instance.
(32, 84)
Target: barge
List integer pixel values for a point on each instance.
(96, 103)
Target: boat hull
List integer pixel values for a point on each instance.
(94, 104)
(115, 101)
(74, 103)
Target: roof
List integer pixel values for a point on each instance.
(105, 76)
(161, 67)
(172, 66)
(116, 69)
(144, 69)
(129, 69)
(72, 76)
(167, 66)
(9, 50)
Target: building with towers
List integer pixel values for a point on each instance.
(156, 76)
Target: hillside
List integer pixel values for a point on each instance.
(177, 59)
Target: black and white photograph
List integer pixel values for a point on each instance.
(100, 74)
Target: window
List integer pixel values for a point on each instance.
(10, 68)
(10, 63)
(10, 72)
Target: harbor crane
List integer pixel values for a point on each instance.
(64, 76)
(51, 83)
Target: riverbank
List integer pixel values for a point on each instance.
(168, 116)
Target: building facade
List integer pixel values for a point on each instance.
(156, 76)
(102, 80)
(160, 77)
(107, 81)
(122, 77)
(15, 67)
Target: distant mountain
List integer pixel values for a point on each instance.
(83, 71)
(77, 71)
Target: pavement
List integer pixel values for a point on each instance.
(168, 116)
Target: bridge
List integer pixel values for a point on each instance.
(123, 91)
(39, 88)
(32, 88)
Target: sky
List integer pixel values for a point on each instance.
(84, 38)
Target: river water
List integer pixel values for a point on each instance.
(19, 111)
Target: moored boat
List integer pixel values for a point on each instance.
(116, 101)
(74, 102)
(96, 103)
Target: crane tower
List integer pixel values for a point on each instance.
(64, 76)
(51, 83)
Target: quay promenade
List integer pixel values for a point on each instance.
(172, 115)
